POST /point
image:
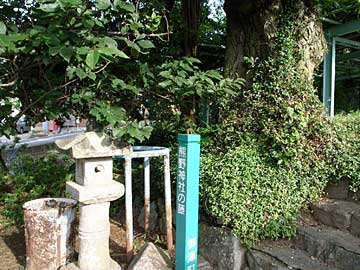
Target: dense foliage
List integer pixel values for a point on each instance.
(245, 189)
(343, 153)
(32, 178)
(184, 95)
(246, 192)
(339, 10)
(75, 57)
(266, 162)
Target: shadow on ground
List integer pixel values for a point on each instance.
(12, 249)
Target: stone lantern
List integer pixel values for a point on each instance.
(94, 189)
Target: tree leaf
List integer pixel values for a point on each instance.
(49, 7)
(134, 46)
(110, 42)
(5, 40)
(91, 75)
(134, 52)
(66, 53)
(125, 6)
(122, 54)
(92, 58)
(146, 44)
(80, 73)
(186, 67)
(2, 28)
(82, 50)
(71, 3)
(192, 60)
(102, 4)
(110, 51)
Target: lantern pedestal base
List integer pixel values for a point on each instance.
(73, 266)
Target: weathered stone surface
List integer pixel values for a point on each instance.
(336, 248)
(150, 257)
(94, 232)
(94, 171)
(203, 264)
(279, 258)
(355, 224)
(258, 261)
(49, 232)
(220, 248)
(339, 191)
(335, 213)
(98, 194)
(92, 145)
(94, 189)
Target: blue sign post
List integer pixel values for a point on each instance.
(187, 201)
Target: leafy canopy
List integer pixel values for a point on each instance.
(74, 57)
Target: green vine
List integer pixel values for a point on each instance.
(268, 162)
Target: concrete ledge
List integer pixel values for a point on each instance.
(95, 194)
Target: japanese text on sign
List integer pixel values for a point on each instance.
(181, 181)
(192, 253)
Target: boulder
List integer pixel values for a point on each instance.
(203, 264)
(355, 223)
(150, 257)
(339, 190)
(220, 248)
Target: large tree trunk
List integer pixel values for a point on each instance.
(251, 25)
(191, 10)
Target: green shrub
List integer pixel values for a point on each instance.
(343, 153)
(32, 178)
(268, 159)
(255, 197)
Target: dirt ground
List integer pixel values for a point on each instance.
(12, 249)
(12, 245)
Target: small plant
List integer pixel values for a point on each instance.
(31, 178)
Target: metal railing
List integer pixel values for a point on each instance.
(146, 152)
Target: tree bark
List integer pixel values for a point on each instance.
(191, 10)
(252, 24)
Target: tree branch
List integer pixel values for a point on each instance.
(9, 83)
(148, 35)
(103, 67)
(161, 96)
(57, 88)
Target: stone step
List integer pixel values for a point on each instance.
(282, 258)
(334, 247)
(343, 215)
(341, 191)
